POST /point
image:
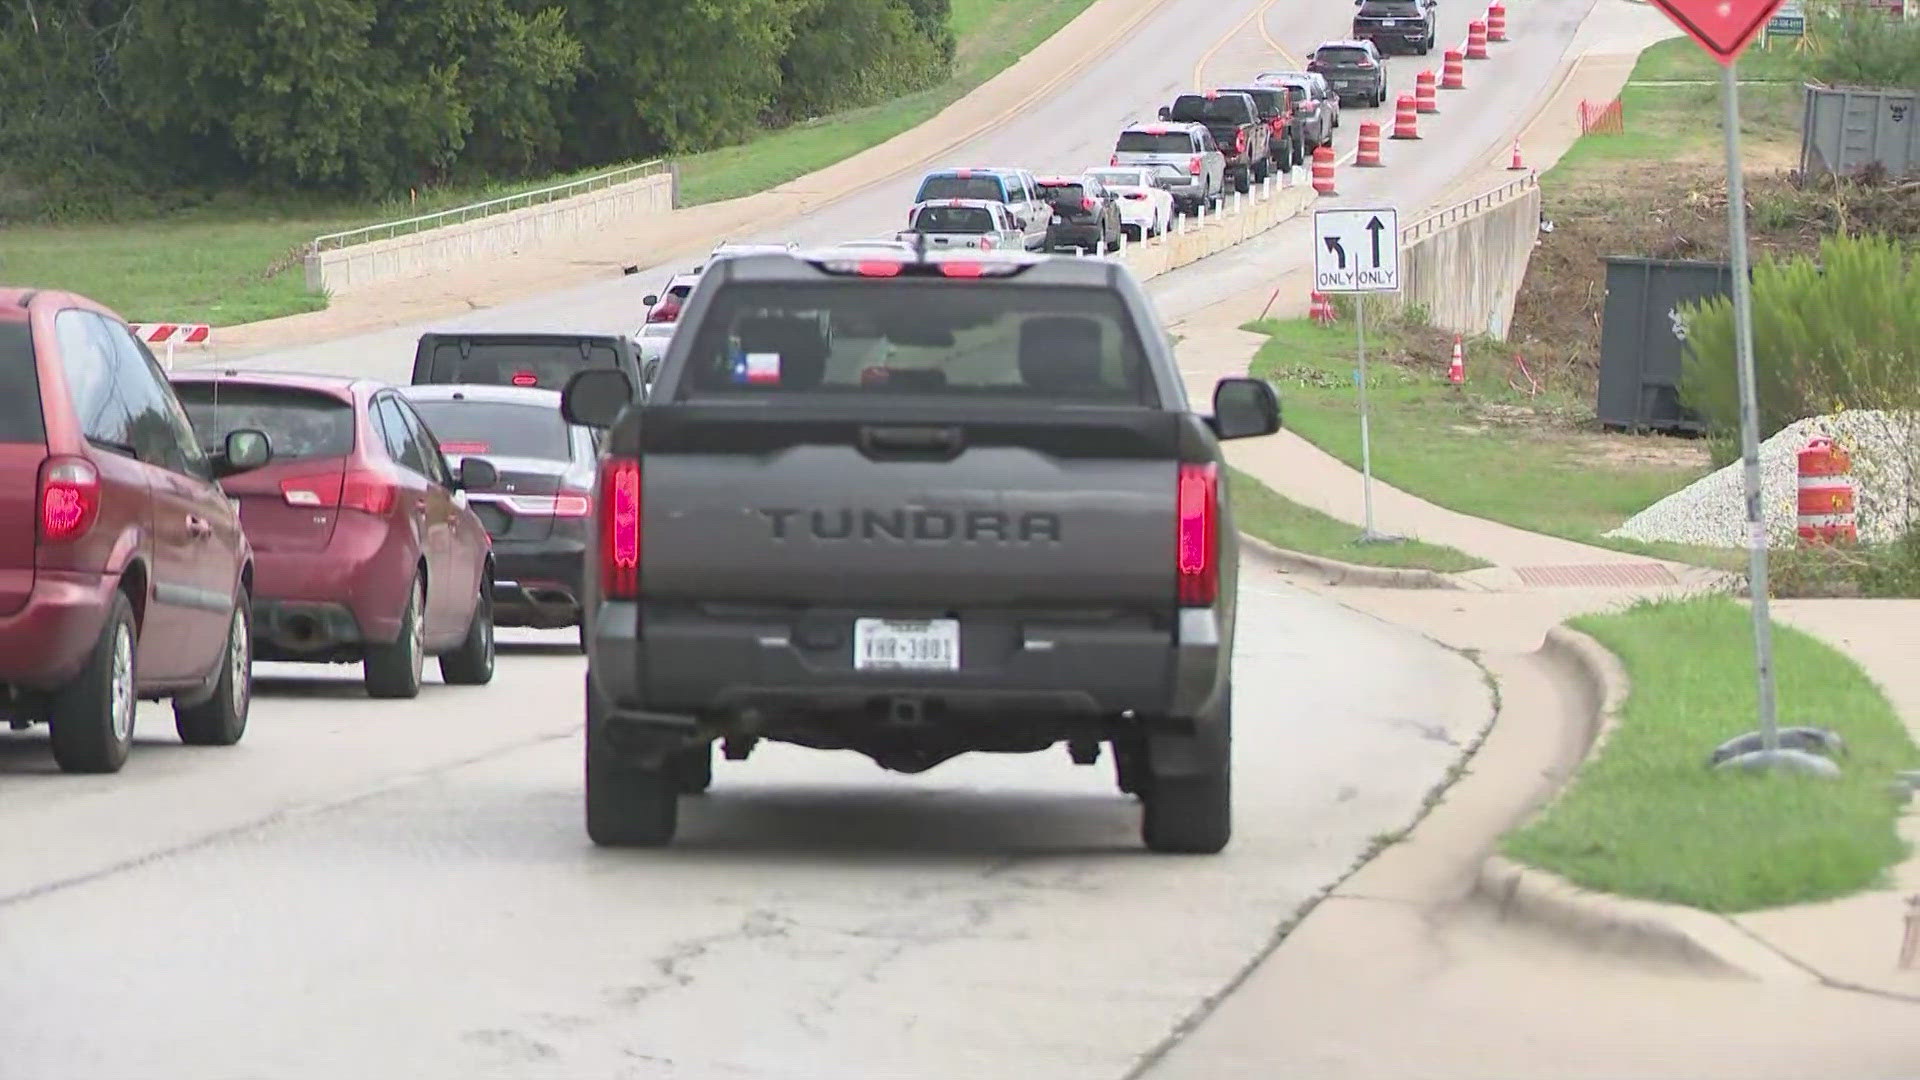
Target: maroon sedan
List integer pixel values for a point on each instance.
(123, 570)
(364, 548)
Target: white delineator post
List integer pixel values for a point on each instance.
(171, 334)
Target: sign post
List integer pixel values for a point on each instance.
(1724, 28)
(1356, 252)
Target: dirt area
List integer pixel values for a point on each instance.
(1669, 210)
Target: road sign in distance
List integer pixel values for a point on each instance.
(1722, 27)
(1356, 251)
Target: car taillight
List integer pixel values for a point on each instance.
(567, 504)
(321, 489)
(620, 529)
(69, 497)
(1193, 165)
(1086, 204)
(368, 492)
(1198, 538)
(525, 378)
(1136, 196)
(1113, 160)
(986, 243)
(1364, 64)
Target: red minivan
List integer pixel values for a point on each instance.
(364, 548)
(124, 573)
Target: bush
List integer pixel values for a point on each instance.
(1839, 333)
(1851, 47)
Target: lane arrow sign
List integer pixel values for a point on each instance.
(1375, 226)
(1339, 252)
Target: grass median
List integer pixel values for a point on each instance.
(1646, 818)
(236, 258)
(1280, 521)
(1482, 448)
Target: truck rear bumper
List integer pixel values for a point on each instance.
(694, 673)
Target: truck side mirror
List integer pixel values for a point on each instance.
(1165, 112)
(1244, 408)
(595, 398)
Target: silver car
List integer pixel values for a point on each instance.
(1183, 156)
(980, 224)
(1313, 99)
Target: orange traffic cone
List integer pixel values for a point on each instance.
(1457, 369)
(1518, 165)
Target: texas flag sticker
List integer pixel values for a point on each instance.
(757, 369)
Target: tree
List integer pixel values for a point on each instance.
(374, 94)
(849, 53)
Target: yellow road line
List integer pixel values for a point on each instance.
(1267, 35)
(1200, 69)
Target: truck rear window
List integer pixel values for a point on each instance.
(299, 423)
(1191, 108)
(953, 219)
(497, 427)
(1266, 99)
(961, 187)
(20, 420)
(515, 363)
(918, 338)
(1146, 142)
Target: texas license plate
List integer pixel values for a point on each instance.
(906, 644)
(1058, 220)
(1386, 22)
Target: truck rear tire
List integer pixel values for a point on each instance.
(1192, 813)
(627, 805)
(1243, 179)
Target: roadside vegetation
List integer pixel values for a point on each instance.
(163, 224)
(1280, 521)
(1646, 817)
(1518, 443)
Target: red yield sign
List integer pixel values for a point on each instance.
(1722, 27)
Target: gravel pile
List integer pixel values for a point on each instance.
(1712, 511)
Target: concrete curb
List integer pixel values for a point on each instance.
(1642, 929)
(1335, 572)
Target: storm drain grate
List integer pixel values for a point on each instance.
(1600, 575)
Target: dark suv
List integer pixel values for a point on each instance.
(124, 573)
(1353, 69)
(1395, 25)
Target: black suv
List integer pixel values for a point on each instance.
(1354, 71)
(1396, 25)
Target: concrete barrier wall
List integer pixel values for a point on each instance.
(362, 265)
(1253, 214)
(1466, 276)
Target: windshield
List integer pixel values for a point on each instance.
(506, 428)
(299, 423)
(19, 386)
(920, 338)
(515, 363)
(953, 219)
(1144, 142)
(1343, 56)
(950, 186)
(1205, 109)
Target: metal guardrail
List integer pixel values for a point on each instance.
(1459, 212)
(473, 211)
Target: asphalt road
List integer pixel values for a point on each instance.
(405, 889)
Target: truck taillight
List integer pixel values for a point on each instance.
(69, 497)
(1193, 165)
(620, 529)
(1113, 160)
(1199, 537)
(1240, 141)
(664, 312)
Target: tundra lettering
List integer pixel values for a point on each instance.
(972, 526)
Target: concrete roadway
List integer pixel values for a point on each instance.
(404, 889)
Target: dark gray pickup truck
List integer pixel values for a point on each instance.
(972, 513)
